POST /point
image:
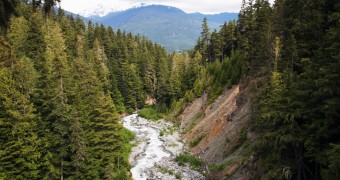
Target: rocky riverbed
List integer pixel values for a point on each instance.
(155, 150)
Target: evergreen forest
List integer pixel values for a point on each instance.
(65, 83)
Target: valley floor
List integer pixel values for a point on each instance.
(156, 147)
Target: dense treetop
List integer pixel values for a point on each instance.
(64, 84)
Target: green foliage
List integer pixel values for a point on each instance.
(19, 142)
(150, 113)
(243, 135)
(66, 82)
(189, 96)
(215, 168)
(63, 85)
(333, 158)
(162, 132)
(18, 34)
(225, 73)
(196, 141)
(178, 176)
(193, 161)
(170, 172)
(7, 8)
(177, 107)
(296, 118)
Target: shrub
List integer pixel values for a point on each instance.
(196, 141)
(150, 113)
(193, 161)
(219, 167)
(162, 133)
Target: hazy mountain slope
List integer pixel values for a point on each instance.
(168, 26)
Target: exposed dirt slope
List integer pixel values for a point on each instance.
(214, 132)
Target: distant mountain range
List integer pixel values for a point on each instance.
(168, 26)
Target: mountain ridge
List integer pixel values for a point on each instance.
(169, 26)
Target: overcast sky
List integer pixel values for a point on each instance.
(189, 6)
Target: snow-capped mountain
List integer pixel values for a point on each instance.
(105, 9)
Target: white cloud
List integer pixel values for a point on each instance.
(203, 6)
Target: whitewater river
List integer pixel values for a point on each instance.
(153, 156)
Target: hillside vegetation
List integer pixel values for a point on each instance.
(288, 54)
(63, 85)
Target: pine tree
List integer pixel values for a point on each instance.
(58, 116)
(205, 40)
(245, 33)
(48, 5)
(18, 139)
(100, 62)
(7, 8)
(18, 33)
(104, 139)
(147, 72)
(26, 77)
(228, 38)
(90, 35)
(34, 45)
(177, 70)
(162, 64)
(69, 34)
(279, 123)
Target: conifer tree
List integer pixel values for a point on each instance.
(147, 72)
(162, 90)
(19, 155)
(99, 63)
(7, 8)
(204, 40)
(59, 117)
(105, 136)
(18, 33)
(34, 44)
(176, 81)
(26, 77)
(48, 6)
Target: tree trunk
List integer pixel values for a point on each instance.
(62, 169)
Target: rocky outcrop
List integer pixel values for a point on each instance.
(213, 132)
(150, 100)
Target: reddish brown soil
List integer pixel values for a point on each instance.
(219, 124)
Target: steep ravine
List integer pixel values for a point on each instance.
(218, 132)
(153, 156)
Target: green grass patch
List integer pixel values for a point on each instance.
(171, 131)
(194, 121)
(178, 176)
(166, 171)
(170, 172)
(247, 148)
(165, 131)
(177, 123)
(196, 141)
(162, 133)
(193, 161)
(150, 113)
(243, 135)
(214, 168)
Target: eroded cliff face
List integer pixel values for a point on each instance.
(218, 132)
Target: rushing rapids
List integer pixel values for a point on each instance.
(156, 146)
